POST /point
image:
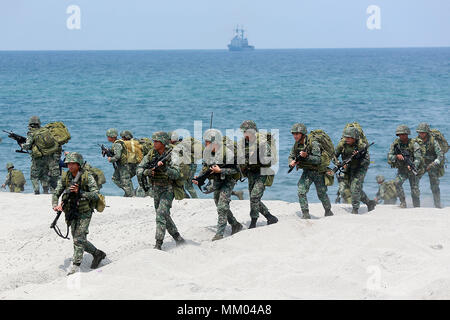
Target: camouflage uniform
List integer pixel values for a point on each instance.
(384, 191)
(163, 193)
(222, 183)
(433, 162)
(8, 182)
(343, 190)
(403, 174)
(252, 168)
(356, 169)
(122, 173)
(80, 225)
(310, 171)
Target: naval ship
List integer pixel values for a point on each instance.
(239, 42)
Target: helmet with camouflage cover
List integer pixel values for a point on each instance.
(402, 129)
(34, 121)
(350, 132)
(74, 157)
(248, 124)
(112, 133)
(162, 137)
(9, 165)
(212, 135)
(299, 128)
(380, 178)
(126, 134)
(173, 135)
(423, 127)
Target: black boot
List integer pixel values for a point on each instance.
(99, 255)
(271, 219)
(253, 223)
(45, 190)
(236, 228)
(305, 214)
(328, 213)
(371, 205)
(416, 202)
(158, 245)
(37, 192)
(355, 211)
(178, 239)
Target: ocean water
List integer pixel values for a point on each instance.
(146, 91)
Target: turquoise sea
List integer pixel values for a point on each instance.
(146, 91)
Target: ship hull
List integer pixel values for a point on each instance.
(247, 48)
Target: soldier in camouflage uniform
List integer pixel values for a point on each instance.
(356, 170)
(254, 170)
(128, 135)
(88, 192)
(433, 160)
(343, 190)
(412, 148)
(44, 169)
(122, 174)
(162, 178)
(311, 157)
(13, 187)
(223, 179)
(386, 191)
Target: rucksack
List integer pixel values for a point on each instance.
(44, 143)
(326, 147)
(390, 190)
(358, 127)
(132, 151)
(17, 178)
(440, 139)
(59, 131)
(146, 145)
(270, 139)
(97, 173)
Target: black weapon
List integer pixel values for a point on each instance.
(153, 165)
(359, 154)
(73, 202)
(19, 139)
(407, 158)
(297, 159)
(208, 174)
(107, 153)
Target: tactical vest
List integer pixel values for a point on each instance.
(409, 147)
(347, 152)
(84, 204)
(306, 147)
(160, 177)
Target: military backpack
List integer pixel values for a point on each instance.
(358, 127)
(44, 143)
(132, 151)
(59, 131)
(17, 178)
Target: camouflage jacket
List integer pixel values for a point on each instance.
(345, 151)
(165, 174)
(314, 157)
(412, 147)
(212, 158)
(432, 150)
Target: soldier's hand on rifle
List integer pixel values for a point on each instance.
(160, 163)
(292, 164)
(303, 154)
(409, 168)
(74, 188)
(58, 208)
(216, 169)
(109, 159)
(431, 166)
(195, 181)
(400, 157)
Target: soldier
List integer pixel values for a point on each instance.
(162, 178)
(44, 162)
(14, 179)
(356, 170)
(311, 155)
(411, 148)
(223, 179)
(343, 190)
(252, 168)
(122, 175)
(433, 160)
(386, 191)
(127, 135)
(78, 196)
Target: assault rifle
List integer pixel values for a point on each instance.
(73, 202)
(208, 174)
(407, 156)
(19, 139)
(153, 165)
(359, 154)
(107, 153)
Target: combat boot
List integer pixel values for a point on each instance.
(328, 213)
(217, 237)
(253, 223)
(305, 214)
(437, 200)
(37, 192)
(239, 194)
(178, 239)
(45, 190)
(158, 245)
(371, 205)
(354, 211)
(99, 255)
(236, 228)
(416, 202)
(75, 268)
(402, 204)
(271, 219)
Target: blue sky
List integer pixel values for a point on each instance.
(208, 24)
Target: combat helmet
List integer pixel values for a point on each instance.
(34, 121)
(402, 129)
(299, 128)
(112, 133)
(162, 137)
(350, 132)
(423, 127)
(173, 135)
(127, 134)
(212, 135)
(380, 178)
(74, 157)
(247, 125)
(9, 165)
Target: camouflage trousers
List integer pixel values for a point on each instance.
(433, 175)
(14, 188)
(39, 172)
(163, 197)
(402, 176)
(80, 229)
(355, 179)
(222, 198)
(390, 201)
(54, 173)
(122, 178)
(308, 177)
(256, 189)
(188, 185)
(344, 192)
